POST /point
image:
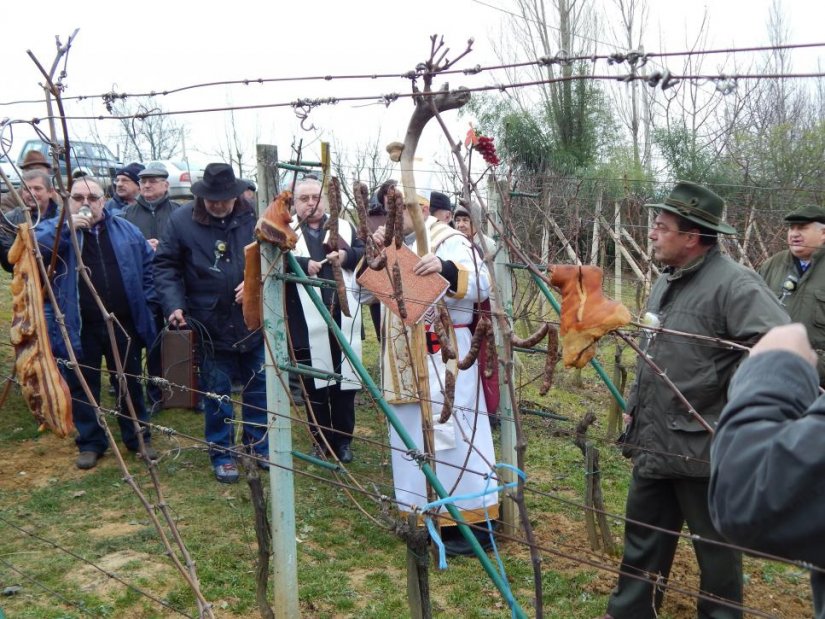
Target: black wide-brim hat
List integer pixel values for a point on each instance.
(218, 183)
(697, 204)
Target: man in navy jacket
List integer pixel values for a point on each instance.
(118, 261)
(199, 268)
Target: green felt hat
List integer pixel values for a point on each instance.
(806, 214)
(697, 204)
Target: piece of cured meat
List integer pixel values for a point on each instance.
(44, 389)
(274, 225)
(586, 314)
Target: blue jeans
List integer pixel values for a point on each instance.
(217, 371)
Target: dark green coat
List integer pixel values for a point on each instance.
(807, 303)
(713, 296)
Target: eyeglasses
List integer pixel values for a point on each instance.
(306, 199)
(79, 197)
(151, 180)
(662, 228)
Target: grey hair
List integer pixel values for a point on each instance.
(38, 175)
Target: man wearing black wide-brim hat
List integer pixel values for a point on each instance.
(199, 272)
(797, 276)
(701, 291)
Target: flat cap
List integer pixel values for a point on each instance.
(156, 171)
(806, 214)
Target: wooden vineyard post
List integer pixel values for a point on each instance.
(504, 302)
(281, 482)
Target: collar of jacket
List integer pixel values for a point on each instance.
(690, 269)
(201, 216)
(151, 206)
(51, 210)
(815, 258)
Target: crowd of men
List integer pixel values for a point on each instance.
(153, 264)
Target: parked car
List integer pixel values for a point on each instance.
(180, 179)
(87, 159)
(9, 171)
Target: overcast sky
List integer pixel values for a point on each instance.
(149, 45)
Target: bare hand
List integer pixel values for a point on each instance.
(378, 235)
(314, 267)
(239, 293)
(81, 221)
(339, 256)
(793, 338)
(176, 318)
(428, 264)
(154, 243)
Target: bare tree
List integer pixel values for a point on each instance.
(634, 101)
(145, 132)
(366, 161)
(233, 148)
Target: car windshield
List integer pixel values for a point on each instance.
(92, 151)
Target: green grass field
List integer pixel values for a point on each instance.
(348, 566)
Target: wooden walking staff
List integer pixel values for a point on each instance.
(405, 153)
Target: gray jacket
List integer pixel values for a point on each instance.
(152, 219)
(713, 296)
(767, 484)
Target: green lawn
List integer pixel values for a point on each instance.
(348, 566)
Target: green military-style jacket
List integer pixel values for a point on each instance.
(713, 296)
(806, 304)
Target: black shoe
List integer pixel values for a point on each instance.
(345, 454)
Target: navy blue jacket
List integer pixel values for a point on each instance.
(192, 275)
(134, 260)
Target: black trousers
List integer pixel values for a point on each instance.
(334, 412)
(95, 344)
(333, 408)
(668, 504)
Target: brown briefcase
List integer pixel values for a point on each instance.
(177, 353)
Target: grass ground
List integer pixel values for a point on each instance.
(347, 566)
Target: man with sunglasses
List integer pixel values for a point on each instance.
(118, 261)
(797, 276)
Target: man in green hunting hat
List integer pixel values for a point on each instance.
(701, 291)
(797, 276)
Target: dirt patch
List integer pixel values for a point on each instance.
(786, 597)
(137, 568)
(39, 462)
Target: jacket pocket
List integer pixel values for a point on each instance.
(203, 308)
